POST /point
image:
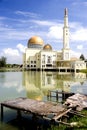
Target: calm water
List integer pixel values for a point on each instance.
(35, 85)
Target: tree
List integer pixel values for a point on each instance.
(82, 57)
(2, 61)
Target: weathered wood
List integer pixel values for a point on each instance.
(38, 108)
(78, 100)
(59, 94)
(46, 110)
(77, 113)
(62, 114)
(64, 123)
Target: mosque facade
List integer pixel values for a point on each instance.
(40, 56)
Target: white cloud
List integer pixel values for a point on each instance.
(55, 32)
(28, 14)
(74, 25)
(13, 56)
(7, 33)
(21, 47)
(17, 35)
(44, 22)
(80, 34)
(80, 47)
(80, 3)
(75, 54)
(14, 84)
(11, 52)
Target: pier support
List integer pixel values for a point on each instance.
(19, 114)
(1, 112)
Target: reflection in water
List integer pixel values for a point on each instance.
(27, 124)
(37, 84)
(11, 85)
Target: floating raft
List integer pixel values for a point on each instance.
(37, 108)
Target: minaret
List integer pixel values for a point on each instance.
(66, 30)
(66, 48)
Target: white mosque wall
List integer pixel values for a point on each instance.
(78, 65)
(48, 58)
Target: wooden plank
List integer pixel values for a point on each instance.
(62, 114)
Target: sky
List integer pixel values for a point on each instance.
(22, 19)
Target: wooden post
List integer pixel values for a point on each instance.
(1, 112)
(18, 114)
(62, 95)
(50, 94)
(57, 95)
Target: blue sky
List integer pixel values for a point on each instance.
(22, 19)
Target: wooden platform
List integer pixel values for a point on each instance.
(37, 108)
(59, 94)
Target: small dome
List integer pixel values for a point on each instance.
(35, 40)
(47, 47)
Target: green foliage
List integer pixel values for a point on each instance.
(2, 61)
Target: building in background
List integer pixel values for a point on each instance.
(41, 56)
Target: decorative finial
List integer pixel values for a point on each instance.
(66, 12)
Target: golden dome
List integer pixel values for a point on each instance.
(35, 40)
(47, 47)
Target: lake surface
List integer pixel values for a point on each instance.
(35, 85)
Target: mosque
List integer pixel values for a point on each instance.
(40, 56)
